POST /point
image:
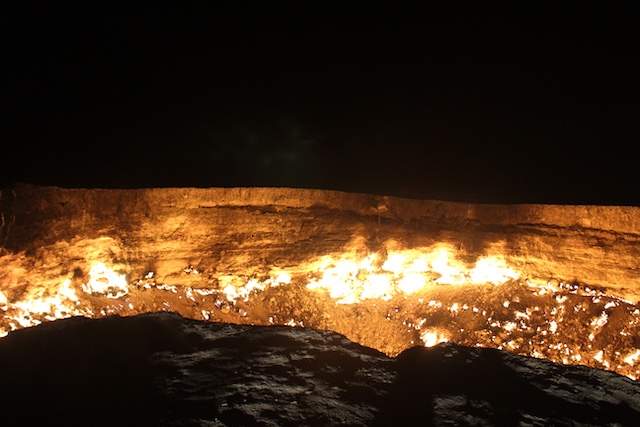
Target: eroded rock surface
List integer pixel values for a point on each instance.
(161, 369)
(247, 230)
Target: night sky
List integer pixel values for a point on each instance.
(501, 102)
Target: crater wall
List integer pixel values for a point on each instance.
(239, 230)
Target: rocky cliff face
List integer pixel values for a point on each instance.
(162, 370)
(169, 229)
(559, 282)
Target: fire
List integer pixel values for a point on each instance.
(632, 359)
(104, 281)
(235, 288)
(431, 338)
(30, 312)
(351, 280)
(391, 298)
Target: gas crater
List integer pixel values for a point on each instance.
(548, 281)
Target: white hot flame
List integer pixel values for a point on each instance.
(433, 337)
(351, 278)
(632, 359)
(105, 282)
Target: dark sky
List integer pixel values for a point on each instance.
(491, 102)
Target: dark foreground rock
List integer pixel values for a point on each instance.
(162, 369)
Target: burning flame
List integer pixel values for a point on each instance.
(429, 294)
(25, 313)
(63, 302)
(350, 280)
(431, 338)
(104, 281)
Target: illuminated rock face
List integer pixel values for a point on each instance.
(559, 282)
(239, 229)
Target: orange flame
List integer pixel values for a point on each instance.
(432, 284)
(350, 279)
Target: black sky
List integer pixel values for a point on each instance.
(497, 102)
